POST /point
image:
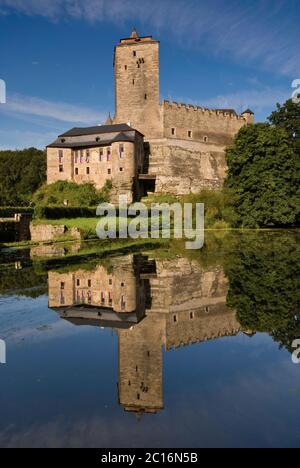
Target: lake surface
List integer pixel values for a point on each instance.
(161, 348)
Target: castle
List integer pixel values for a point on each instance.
(149, 145)
(151, 305)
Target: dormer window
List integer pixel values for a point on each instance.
(97, 139)
(63, 140)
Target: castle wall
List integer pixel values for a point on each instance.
(97, 165)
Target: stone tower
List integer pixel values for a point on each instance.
(136, 65)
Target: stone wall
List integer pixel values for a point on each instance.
(46, 232)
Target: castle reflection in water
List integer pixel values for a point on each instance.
(151, 305)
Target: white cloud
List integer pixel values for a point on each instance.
(263, 32)
(18, 104)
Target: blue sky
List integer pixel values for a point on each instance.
(56, 57)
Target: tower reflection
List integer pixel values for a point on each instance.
(152, 305)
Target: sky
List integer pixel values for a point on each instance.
(56, 58)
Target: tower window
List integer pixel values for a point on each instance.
(109, 171)
(205, 139)
(175, 319)
(62, 286)
(61, 168)
(133, 81)
(146, 97)
(121, 169)
(88, 170)
(190, 134)
(173, 131)
(76, 171)
(89, 283)
(125, 67)
(192, 315)
(134, 53)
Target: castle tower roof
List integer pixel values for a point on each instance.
(134, 34)
(248, 111)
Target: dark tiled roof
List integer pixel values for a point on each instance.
(248, 111)
(121, 137)
(97, 130)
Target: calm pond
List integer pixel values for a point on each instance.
(156, 348)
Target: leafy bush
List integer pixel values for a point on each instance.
(68, 212)
(77, 195)
(8, 211)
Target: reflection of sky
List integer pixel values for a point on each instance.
(63, 391)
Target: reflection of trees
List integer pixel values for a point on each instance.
(264, 284)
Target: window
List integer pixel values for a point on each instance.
(134, 53)
(100, 155)
(138, 396)
(62, 298)
(110, 282)
(78, 282)
(146, 97)
(192, 315)
(81, 156)
(205, 139)
(76, 157)
(175, 318)
(121, 169)
(98, 139)
(76, 171)
(190, 134)
(88, 171)
(63, 140)
(110, 298)
(121, 150)
(62, 286)
(133, 81)
(108, 153)
(61, 168)
(102, 298)
(109, 171)
(60, 156)
(207, 310)
(125, 67)
(88, 155)
(89, 283)
(173, 131)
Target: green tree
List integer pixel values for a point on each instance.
(264, 171)
(21, 174)
(287, 117)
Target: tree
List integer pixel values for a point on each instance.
(21, 174)
(264, 170)
(287, 117)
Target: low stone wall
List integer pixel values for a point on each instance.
(50, 232)
(46, 232)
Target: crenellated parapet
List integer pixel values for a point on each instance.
(220, 113)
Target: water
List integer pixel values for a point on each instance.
(154, 349)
